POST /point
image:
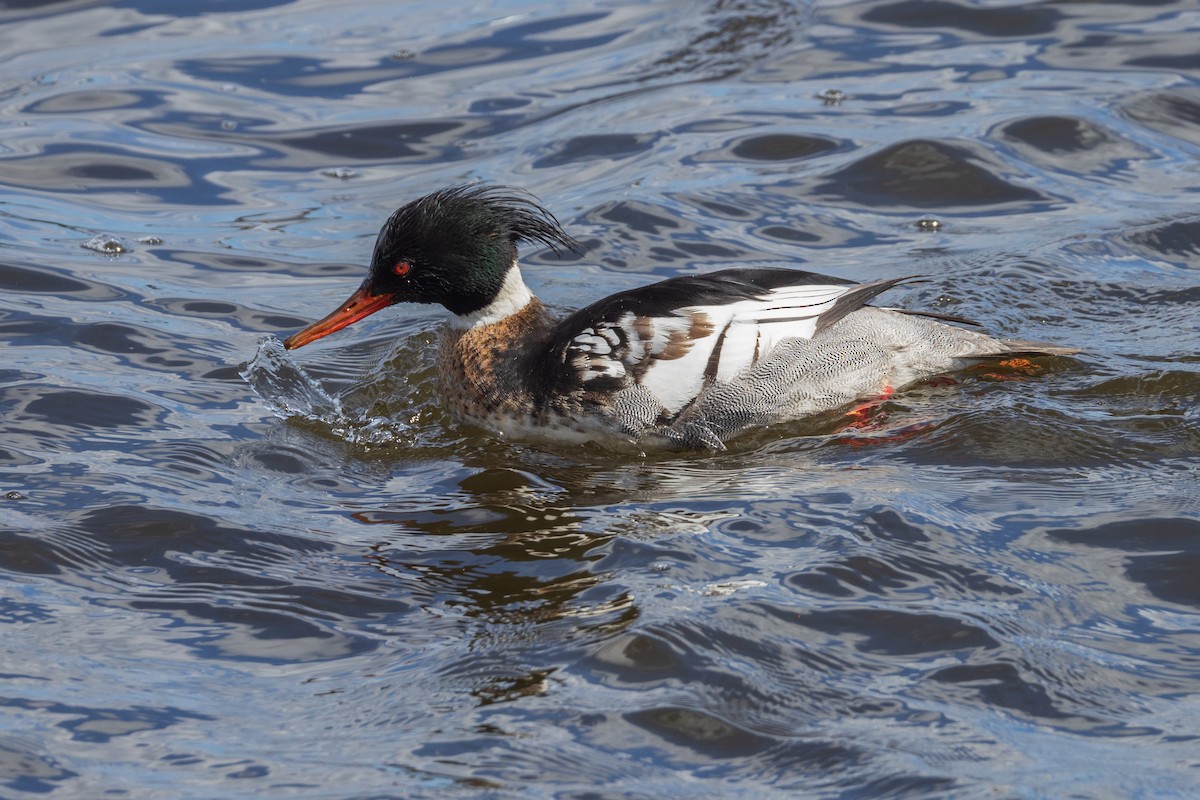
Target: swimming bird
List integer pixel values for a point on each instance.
(688, 362)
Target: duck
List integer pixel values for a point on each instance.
(687, 363)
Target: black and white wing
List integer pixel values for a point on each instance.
(678, 336)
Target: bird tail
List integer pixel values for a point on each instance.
(1021, 347)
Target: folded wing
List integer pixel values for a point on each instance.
(676, 337)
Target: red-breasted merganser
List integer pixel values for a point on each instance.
(687, 362)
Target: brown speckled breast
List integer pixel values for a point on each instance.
(486, 372)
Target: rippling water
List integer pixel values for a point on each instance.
(320, 586)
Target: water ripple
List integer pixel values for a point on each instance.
(229, 572)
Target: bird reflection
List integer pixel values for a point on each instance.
(508, 551)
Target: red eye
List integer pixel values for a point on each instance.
(402, 268)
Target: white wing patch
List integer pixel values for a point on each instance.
(745, 331)
(675, 356)
(591, 353)
(677, 353)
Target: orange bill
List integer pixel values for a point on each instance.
(360, 304)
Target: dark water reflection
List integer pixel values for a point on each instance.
(988, 590)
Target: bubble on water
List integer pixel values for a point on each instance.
(341, 173)
(832, 97)
(403, 55)
(14, 495)
(107, 244)
(929, 224)
(150, 240)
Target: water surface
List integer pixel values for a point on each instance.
(989, 590)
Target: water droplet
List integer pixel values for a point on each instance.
(107, 244)
(341, 173)
(929, 224)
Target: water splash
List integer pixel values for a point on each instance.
(290, 392)
(286, 388)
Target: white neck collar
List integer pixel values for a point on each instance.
(512, 297)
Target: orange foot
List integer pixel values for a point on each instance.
(866, 415)
(869, 417)
(1015, 369)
